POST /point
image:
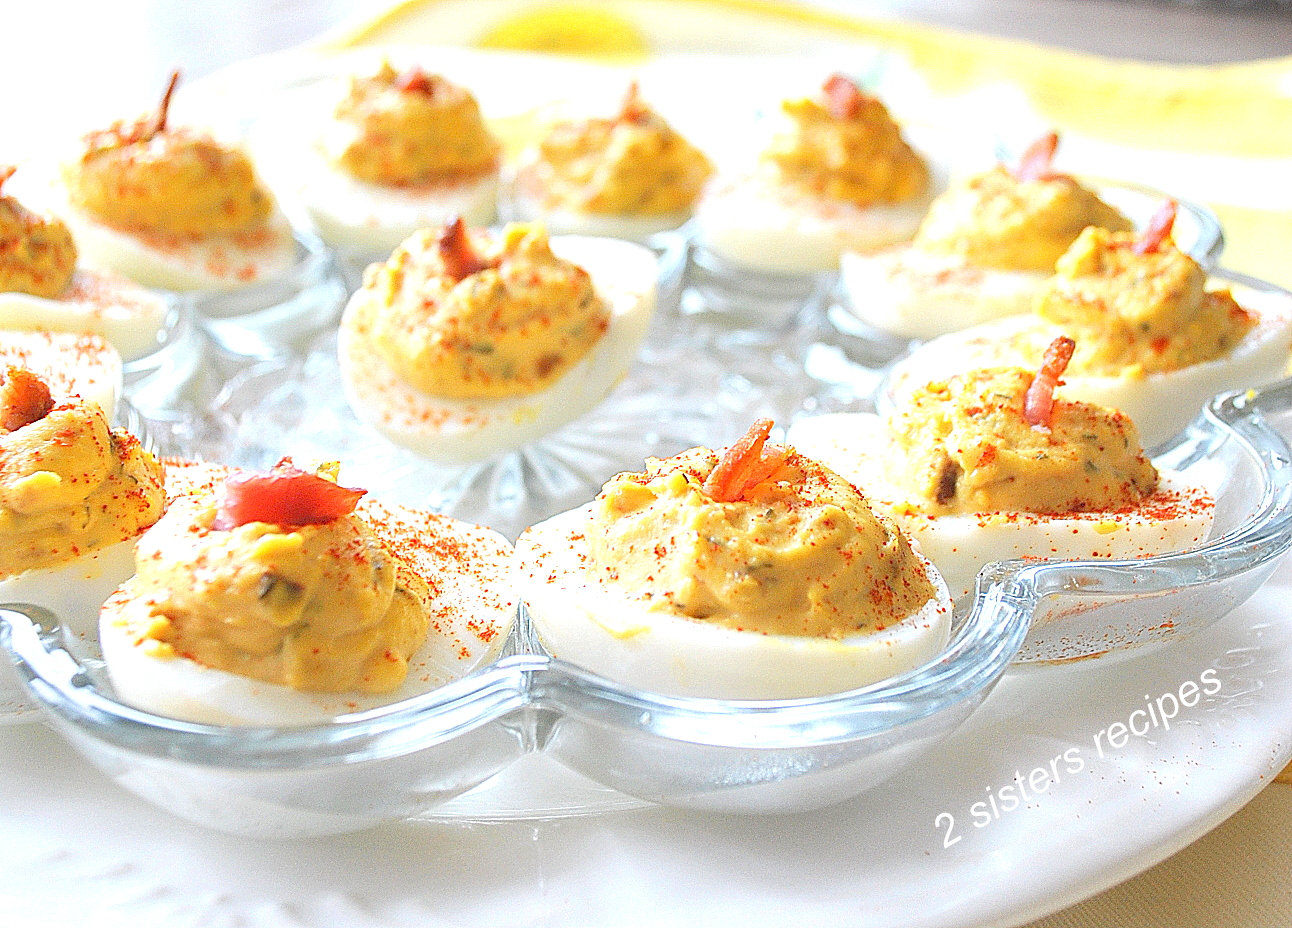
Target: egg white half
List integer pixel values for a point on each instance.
(1176, 517)
(472, 608)
(187, 263)
(745, 218)
(71, 364)
(751, 223)
(456, 431)
(124, 313)
(75, 589)
(591, 626)
(913, 293)
(1160, 404)
(364, 219)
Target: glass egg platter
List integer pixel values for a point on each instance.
(246, 383)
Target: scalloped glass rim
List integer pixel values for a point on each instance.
(981, 647)
(1221, 573)
(708, 753)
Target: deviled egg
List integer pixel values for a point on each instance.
(400, 150)
(466, 344)
(628, 176)
(985, 247)
(42, 288)
(756, 573)
(836, 175)
(989, 465)
(1152, 340)
(169, 207)
(74, 495)
(277, 598)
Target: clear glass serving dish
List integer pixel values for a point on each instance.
(411, 757)
(266, 384)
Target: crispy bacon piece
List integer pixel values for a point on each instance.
(142, 129)
(285, 496)
(163, 111)
(6, 172)
(744, 465)
(634, 109)
(1038, 161)
(843, 98)
(417, 80)
(1158, 229)
(24, 399)
(454, 245)
(1038, 403)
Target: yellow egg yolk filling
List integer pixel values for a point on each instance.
(860, 158)
(1138, 312)
(800, 554)
(995, 220)
(37, 254)
(964, 445)
(324, 608)
(511, 327)
(411, 128)
(632, 164)
(175, 181)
